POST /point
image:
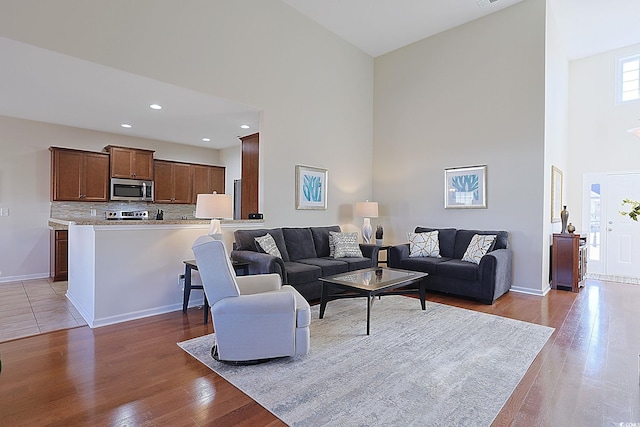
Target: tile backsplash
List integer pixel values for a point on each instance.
(68, 210)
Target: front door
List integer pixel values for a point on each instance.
(622, 234)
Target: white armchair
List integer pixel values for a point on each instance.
(254, 317)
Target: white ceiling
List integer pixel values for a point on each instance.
(588, 27)
(39, 84)
(42, 85)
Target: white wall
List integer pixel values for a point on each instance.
(556, 127)
(469, 96)
(315, 90)
(25, 182)
(598, 137)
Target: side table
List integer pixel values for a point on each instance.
(189, 266)
(384, 248)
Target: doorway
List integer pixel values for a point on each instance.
(614, 239)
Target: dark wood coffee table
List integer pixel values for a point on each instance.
(371, 282)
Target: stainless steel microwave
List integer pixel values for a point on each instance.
(131, 189)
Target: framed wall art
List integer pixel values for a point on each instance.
(465, 188)
(556, 194)
(311, 187)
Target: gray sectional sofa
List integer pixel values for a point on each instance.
(305, 256)
(485, 281)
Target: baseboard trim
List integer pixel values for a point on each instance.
(529, 291)
(35, 276)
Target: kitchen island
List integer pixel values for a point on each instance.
(125, 270)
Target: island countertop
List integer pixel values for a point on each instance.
(63, 223)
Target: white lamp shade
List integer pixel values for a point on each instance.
(214, 206)
(367, 209)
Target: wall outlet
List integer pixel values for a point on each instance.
(4, 211)
(93, 212)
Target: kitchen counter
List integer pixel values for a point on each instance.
(62, 223)
(120, 270)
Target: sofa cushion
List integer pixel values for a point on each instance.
(478, 247)
(356, 263)
(245, 240)
(329, 266)
(299, 242)
(463, 238)
(268, 245)
(423, 264)
(321, 239)
(346, 245)
(301, 273)
(458, 269)
(446, 238)
(424, 244)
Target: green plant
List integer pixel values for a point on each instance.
(635, 209)
(379, 232)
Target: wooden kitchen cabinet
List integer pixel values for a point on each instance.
(79, 175)
(133, 163)
(172, 182)
(569, 261)
(207, 179)
(59, 255)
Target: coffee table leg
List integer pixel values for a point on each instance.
(324, 296)
(369, 302)
(423, 295)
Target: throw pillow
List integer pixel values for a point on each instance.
(424, 244)
(268, 244)
(478, 247)
(346, 245)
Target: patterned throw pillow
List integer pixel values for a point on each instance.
(424, 244)
(346, 245)
(268, 245)
(478, 247)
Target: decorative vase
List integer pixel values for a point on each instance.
(571, 228)
(367, 231)
(379, 242)
(564, 216)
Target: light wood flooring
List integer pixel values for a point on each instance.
(134, 373)
(35, 306)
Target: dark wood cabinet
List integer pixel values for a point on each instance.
(79, 175)
(250, 161)
(59, 254)
(172, 182)
(207, 179)
(134, 163)
(569, 261)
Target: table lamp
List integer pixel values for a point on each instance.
(367, 210)
(214, 206)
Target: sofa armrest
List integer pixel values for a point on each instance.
(261, 263)
(397, 253)
(370, 251)
(497, 266)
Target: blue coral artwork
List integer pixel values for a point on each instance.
(311, 187)
(465, 187)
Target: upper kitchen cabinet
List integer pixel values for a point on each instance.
(132, 163)
(172, 182)
(80, 176)
(207, 179)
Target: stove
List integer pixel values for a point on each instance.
(126, 214)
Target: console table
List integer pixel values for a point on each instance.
(569, 261)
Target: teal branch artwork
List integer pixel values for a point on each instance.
(312, 188)
(466, 184)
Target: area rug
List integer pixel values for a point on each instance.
(440, 367)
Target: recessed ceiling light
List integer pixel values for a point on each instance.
(206, 139)
(125, 125)
(155, 107)
(245, 126)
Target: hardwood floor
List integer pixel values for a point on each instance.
(135, 374)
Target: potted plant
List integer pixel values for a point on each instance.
(379, 233)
